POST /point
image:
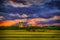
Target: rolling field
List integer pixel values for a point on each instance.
(25, 35)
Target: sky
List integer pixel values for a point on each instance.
(33, 12)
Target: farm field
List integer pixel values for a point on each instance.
(26, 35)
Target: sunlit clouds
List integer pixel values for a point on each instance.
(18, 15)
(14, 4)
(56, 17)
(11, 22)
(32, 22)
(24, 15)
(33, 12)
(1, 17)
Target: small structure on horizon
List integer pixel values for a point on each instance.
(22, 24)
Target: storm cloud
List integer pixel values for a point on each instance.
(18, 9)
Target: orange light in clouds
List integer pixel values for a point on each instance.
(7, 23)
(56, 17)
(30, 21)
(12, 22)
(33, 23)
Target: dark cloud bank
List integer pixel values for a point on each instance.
(46, 9)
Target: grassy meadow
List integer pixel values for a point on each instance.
(32, 33)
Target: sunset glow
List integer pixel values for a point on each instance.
(30, 12)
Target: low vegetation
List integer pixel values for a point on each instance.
(31, 28)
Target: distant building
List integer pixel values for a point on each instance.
(22, 24)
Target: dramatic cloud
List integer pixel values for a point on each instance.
(18, 3)
(24, 16)
(15, 15)
(1, 18)
(11, 22)
(33, 22)
(33, 12)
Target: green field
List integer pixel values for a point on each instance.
(26, 35)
